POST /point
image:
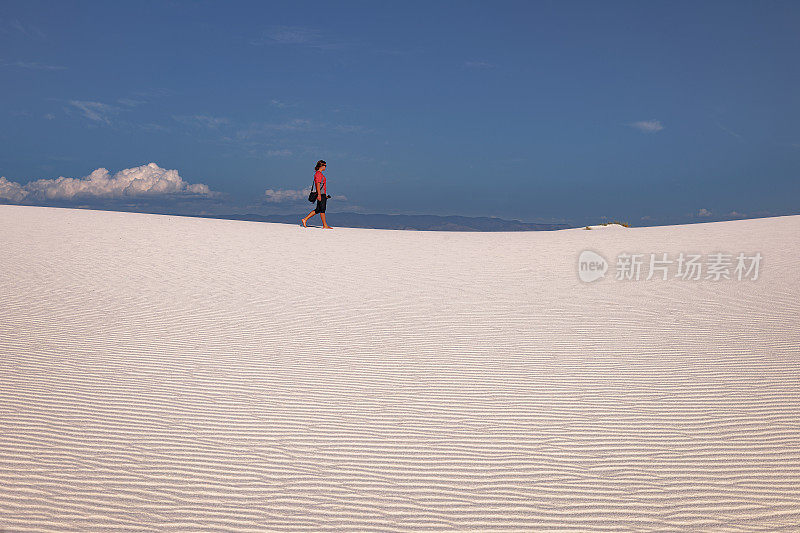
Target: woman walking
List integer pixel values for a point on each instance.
(322, 195)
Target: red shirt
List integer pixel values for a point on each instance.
(319, 177)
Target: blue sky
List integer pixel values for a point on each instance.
(649, 112)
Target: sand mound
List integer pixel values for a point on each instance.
(174, 374)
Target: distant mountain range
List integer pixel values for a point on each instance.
(407, 222)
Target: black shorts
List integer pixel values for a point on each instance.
(321, 203)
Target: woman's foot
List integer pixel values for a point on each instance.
(303, 222)
(327, 227)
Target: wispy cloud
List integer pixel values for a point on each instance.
(291, 35)
(297, 36)
(130, 102)
(647, 126)
(95, 111)
(152, 94)
(25, 29)
(106, 113)
(144, 181)
(281, 105)
(730, 132)
(704, 213)
(205, 121)
(258, 129)
(478, 64)
(397, 52)
(151, 126)
(349, 128)
(32, 65)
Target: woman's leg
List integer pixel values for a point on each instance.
(304, 220)
(324, 222)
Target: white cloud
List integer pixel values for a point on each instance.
(96, 111)
(647, 126)
(12, 191)
(279, 153)
(49, 116)
(285, 195)
(144, 181)
(704, 213)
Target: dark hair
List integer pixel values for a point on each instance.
(319, 164)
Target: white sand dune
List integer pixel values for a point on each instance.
(163, 373)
